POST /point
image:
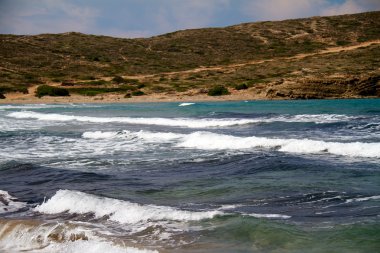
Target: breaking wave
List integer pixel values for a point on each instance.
(181, 122)
(186, 104)
(175, 122)
(76, 202)
(213, 141)
(9, 203)
(32, 236)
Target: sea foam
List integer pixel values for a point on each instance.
(9, 203)
(181, 122)
(176, 122)
(76, 202)
(32, 236)
(213, 141)
(186, 104)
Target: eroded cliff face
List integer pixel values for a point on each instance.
(325, 87)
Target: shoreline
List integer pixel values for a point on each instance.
(19, 98)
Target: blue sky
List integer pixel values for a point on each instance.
(144, 18)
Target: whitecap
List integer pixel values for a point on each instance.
(212, 141)
(178, 122)
(269, 216)
(9, 203)
(186, 104)
(125, 134)
(181, 122)
(76, 202)
(31, 236)
(376, 197)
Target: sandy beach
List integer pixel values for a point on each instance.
(189, 96)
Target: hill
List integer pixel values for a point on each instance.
(318, 57)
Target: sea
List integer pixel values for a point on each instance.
(245, 176)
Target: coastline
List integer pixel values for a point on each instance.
(19, 98)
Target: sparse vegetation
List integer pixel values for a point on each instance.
(241, 86)
(118, 80)
(218, 90)
(138, 93)
(46, 90)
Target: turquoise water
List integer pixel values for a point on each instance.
(249, 176)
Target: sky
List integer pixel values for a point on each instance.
(145, 18)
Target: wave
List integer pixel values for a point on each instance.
(182, 122)
(144, 135)
(176, 122)
(32, 236)
(376, 197)
(212, 141)
(76, 202)
(9, 203)
(269, 216)
(186, 104)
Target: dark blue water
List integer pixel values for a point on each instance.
(263, 176)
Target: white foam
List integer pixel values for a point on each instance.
(186, 104)
(179, 122)
(144, 135)
(116, 210)
(316, 118)
(17, 236)
(91, 247)
(212, 141)
(269, 216)
(9, 203)
(363, 199)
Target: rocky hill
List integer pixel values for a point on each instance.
(318, 57)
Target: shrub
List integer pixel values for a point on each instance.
(67, 83)
(241, 86)
(46, 90)
(94, 82)
(2, 96)
(218, 90)
(118, 79)
(138, 93)
(90, 93)
(128, 95)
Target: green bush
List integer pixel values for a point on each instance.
(241, 86)
(128, 95)
(138, 93)
(94, 82)
(46, 90)
(118, 79)
(218, 90)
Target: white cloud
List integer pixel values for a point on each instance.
(281, 9)
(49, 16)
(347, 7)
(286, 9)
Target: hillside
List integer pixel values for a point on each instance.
(318, 57)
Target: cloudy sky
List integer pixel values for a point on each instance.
(144, 18)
